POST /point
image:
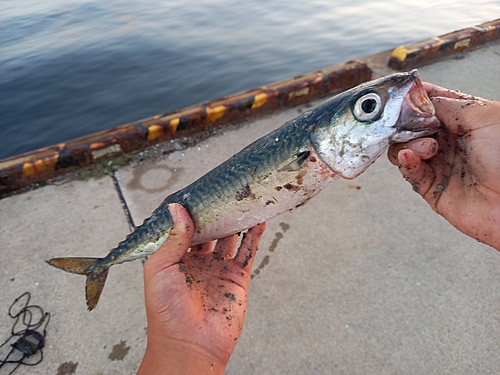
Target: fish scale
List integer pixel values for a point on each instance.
(240, 170)
(340, 138)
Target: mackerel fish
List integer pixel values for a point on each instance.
(339, 138)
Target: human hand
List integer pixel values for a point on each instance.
(196, 301)
(458, 171)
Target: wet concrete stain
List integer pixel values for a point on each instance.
(274, 244)
(67, 368)
(119, 351)
(277, 237)
(138, 173)
(262, 264)
(284, 226)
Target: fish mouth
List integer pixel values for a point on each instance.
(417, 111)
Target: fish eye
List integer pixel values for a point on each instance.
(368, 107)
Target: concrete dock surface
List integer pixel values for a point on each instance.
(364, 279)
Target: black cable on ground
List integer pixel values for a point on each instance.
(26, 342)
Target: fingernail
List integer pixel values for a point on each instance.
(422, 147)
(403, 157)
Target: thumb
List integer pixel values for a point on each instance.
(176, 245)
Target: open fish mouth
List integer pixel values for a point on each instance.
(417, 114)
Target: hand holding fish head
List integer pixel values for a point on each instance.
(368, 118)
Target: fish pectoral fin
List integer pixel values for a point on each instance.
(296, 163)
(96, 275)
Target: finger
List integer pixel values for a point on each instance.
(225, 247)
(434, 90)
(431, 178)
(425, 148)
(419, 174)
(177, 243)
(249, 246)
(393, 151)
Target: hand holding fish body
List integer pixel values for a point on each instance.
(339, 138)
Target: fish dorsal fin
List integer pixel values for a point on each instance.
(296, 163)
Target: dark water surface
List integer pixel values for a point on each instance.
(70, 68)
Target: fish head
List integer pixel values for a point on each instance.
(354, 128)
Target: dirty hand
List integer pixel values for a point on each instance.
(195, 301)
(458, 171)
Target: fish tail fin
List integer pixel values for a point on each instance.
(96, 275)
